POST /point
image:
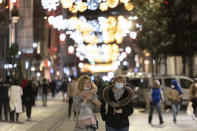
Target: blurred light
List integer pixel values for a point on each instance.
(105, 78)
(133, 35)
(1, 1)
(38, 74)
(49, 63)
(51, 71)
(50, 4)
(135, 69)
(66, 71)
(80, 65)
(128, 50)
(81, 57)
(58, 73)
(45, 17)
(124, 54)
(71, 49)
(62, 36)
(35, 45)
(110, 74)
(19, 53)
(15, 65)
(125, 63)
(13, 1)
(69, 79)
(10, 66)
(146, 62)
(92, 78)
(26, 65)
(135, 17)
(6, 66)
(33, 68)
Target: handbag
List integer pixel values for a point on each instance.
(189, 109)
(86, 118)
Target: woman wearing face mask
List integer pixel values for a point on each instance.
(175, 95)
(117, 105)
(85, 97)
(193, 96)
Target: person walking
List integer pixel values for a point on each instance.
(72, 85)
(15, 92)
(117, 105)
(193, 97)
(64, 89)
(4, 99)
(86, 105)
(175, 95)
(44, 92)
(28, 98)
(155, 98)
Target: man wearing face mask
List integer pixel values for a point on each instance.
(117, 105)
(175, 95)
(193, 96)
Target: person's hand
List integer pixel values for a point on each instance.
(119, 111)
(97, 102)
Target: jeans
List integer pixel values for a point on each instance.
(116, 129)
(44, 99)
(175, 110)
(158, 106)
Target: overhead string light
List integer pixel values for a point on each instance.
(50, 4)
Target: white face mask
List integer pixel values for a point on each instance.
(119, 85)
(86, 88)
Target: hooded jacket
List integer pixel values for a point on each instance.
(109, 105)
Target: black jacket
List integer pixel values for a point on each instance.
(28, 95)
(111, 118)
(4, 87)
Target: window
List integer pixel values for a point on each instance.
(168, 82)
(185, 83)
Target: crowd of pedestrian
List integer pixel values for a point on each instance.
(85, 97)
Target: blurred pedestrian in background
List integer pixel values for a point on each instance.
(64, 89)
(175, 95)
(4, 99)
(155, 100)
(28, 98)
(72, 85)
(117, 105)
(15, 92)
(44, 92)
(193, 96)
(52, 87)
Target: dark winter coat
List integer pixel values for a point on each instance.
(108, 114)
(28, 95)
(4, 87)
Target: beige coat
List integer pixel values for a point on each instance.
(15, 92)
(173, 96)
(192, 92)
(71, 88)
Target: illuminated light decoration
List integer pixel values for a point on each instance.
(71, 49)
(81, 65)
(1, 1)
(128, 50)
(62, 37)
(67, 3)
(98, 68)
(73, 9)
(82, 6)
(50, 4)
(103, 7)
(129, 6)
(133, 35)
(125, 63)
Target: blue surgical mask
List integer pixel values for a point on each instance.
(119, 85)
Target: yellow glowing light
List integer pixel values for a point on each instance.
(129, 6)
(112, 3)
(98, 68)
(82, 6)
(124, 1)
(67, 3)
(73, 9)
(103, 7)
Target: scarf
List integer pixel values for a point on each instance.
(118, 93)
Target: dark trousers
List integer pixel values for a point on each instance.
(28, 110)
(4, 105)
(70, 102)
(12, 116)
(44, 99)
(194, 105)
(158, 106)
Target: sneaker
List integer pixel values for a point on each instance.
(28, 119)
(150, 122)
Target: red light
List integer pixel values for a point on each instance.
(166, 2)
